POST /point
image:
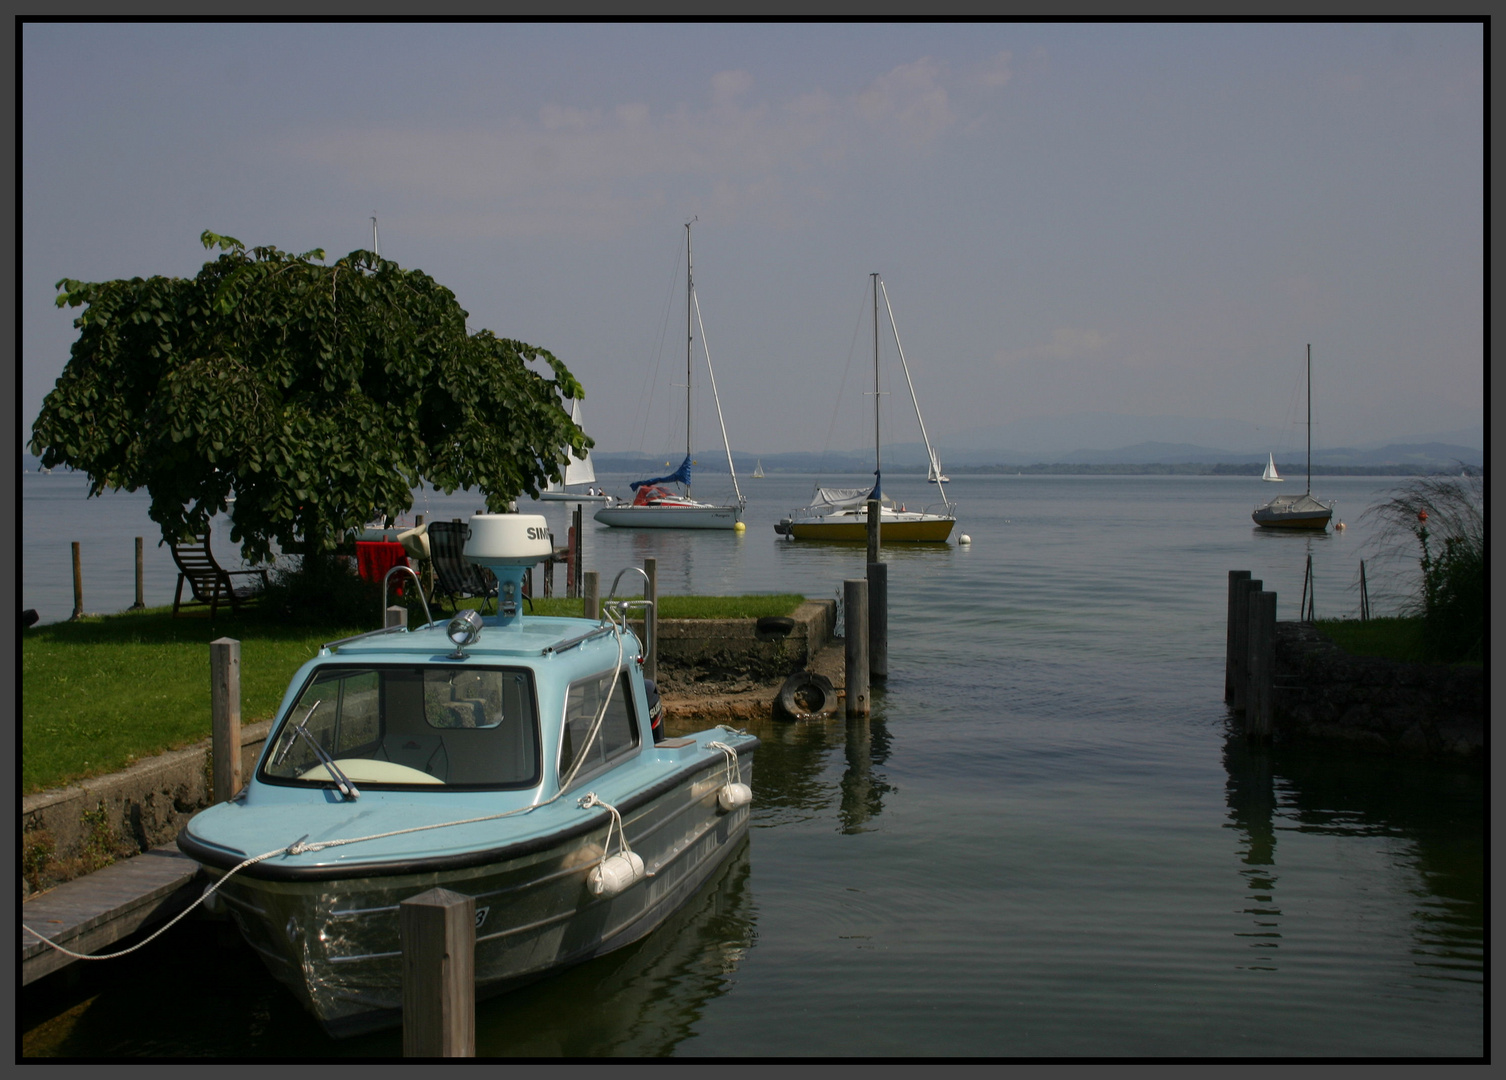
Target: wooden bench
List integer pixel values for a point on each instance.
(209, 582)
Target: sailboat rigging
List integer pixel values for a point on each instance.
(655, 506)
(1298, 511)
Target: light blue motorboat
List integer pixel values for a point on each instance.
(508, 758)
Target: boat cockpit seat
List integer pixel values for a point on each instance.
(423, 752)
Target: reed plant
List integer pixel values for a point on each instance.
(1439, 521)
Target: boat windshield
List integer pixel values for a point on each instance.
(410, 725)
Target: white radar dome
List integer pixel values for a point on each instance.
(508, 539)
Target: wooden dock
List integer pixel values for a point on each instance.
(91, 913)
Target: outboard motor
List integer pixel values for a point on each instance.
(655, 710)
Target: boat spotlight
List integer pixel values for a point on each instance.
(463, 630)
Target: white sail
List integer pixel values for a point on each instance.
(1270, 470)
(579, 470)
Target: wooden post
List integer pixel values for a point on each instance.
(1242, 641)
(78, 584)
(873, 530)
(439, 974)
(592, 595)
(578, 542)
(1236, 577)
(397, 615)
(1261, 660)
(878, 621)
(140, 604)
(225, 716)
(651, 618)
(855, 615)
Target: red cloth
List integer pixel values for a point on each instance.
(375, 557)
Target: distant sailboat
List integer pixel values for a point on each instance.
(758, 470)
(1270, 470)
(577, 471)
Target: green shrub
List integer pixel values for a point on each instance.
(322, 591)
(1444, 517)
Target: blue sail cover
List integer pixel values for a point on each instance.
(679, 476)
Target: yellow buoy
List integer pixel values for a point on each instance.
(739, 527)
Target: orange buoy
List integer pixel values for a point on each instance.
(1422, 515)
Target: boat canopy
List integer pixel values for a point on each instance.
(679, 476)
(846, 498)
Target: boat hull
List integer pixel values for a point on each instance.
(669, 517)
(335, 942)
(907, 529)
(567, 496)
(1309, 520)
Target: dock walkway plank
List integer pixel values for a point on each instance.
(91, 913)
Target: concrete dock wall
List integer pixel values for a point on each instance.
(1321, 692)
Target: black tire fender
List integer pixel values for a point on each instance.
(805, 695)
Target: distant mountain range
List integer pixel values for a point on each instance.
(1096, 439)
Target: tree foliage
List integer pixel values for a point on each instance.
(319, 395)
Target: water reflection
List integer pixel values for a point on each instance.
(793, 780)
(1433, 808)
(1252, 811)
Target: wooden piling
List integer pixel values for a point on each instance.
(1235, 578)
(873, 530)
(855, 615)
(591, 595)
(651, 618)
(140, 604)
(1261, 661)
(579, 541)
(570, 563)
(878, 621)
(225, 716)
(1242, 641)
(78, 584)
(439, 974)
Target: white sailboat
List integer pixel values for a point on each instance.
(1270, 470)
(1298, 511)
(758, 470)
(578, 471)
(842, 513)
(655, 506)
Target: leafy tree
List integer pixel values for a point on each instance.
(320, 395)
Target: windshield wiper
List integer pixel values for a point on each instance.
(342, 781)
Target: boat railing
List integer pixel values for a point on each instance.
(417, 584)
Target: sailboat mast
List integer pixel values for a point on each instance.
(1309, 419)
(689, 334)
(877, 466)
(376, 243)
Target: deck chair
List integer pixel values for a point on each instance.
(456, 577)
(209, 583)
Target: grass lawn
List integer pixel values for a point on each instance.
(99, 693)
(1396, 638)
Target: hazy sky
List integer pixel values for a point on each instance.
(1142, 219)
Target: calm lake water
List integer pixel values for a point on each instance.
(1049, 840)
